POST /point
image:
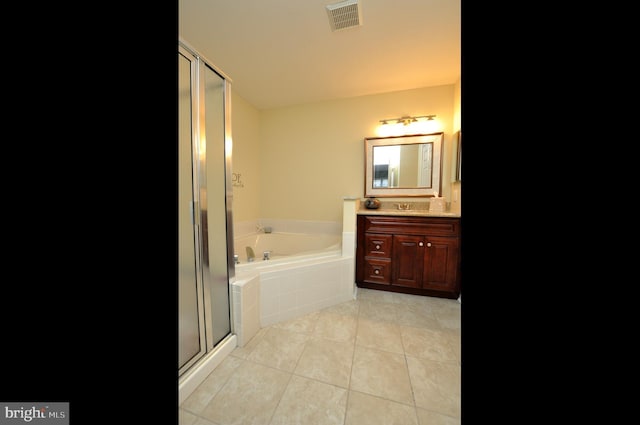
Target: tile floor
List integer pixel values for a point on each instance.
(384, 358)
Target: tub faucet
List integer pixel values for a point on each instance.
(261, 229)
(250, 255)
(266, 255)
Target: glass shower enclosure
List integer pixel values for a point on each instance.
(205, 230)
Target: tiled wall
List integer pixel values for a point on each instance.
(243, 228)
(286, 294)
(245, 296)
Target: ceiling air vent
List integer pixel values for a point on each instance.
(345, 14)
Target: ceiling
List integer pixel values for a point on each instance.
(283, 52)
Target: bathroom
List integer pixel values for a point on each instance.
(280, 152)
(298, 163)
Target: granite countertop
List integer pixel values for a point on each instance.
(416, 209)
(419, 213)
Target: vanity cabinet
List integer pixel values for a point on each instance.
(410, 254)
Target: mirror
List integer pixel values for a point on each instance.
(403, 165)
(459, 157)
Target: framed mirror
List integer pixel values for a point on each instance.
(459, 158)
(403, 165)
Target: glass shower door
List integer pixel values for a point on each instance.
(216, 208)
(204, 213)
(191, 344)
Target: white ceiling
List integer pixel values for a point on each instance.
(283, 52)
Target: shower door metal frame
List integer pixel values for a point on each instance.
(210, 339)
(208, 343)
(195, 205)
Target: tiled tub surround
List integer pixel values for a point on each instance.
(381, 359)
(289, 286)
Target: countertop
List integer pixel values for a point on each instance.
(412, 213)
(416, 209)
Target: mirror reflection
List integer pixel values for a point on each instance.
(403, 165)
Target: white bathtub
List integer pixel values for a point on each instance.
(283, 244)
(307, 272)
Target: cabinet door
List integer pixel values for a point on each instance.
(377, 270)
(408, 258)
(377, 245)
(441, 258)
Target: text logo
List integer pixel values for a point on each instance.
(37, 413)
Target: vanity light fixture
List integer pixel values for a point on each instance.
(406, 120)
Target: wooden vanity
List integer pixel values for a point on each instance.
(409, 252)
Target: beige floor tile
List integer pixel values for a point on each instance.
(202, 395)
(335, 326)
(427, 417)
(380, 311)
(409, 299)
(306, 401)
(386, 358)
(279, 348)
(327, 361)
(442, 303)
(449, 318)
(304, 325)
(379, 335)
(436, 385)
(455, 341)
(365, 409)
(375, 295)
(381, 374)
(349, 308)
(243, 352)
(201, 421)
(186, 418)
(427, 343)
(250, 396)
(417, 315)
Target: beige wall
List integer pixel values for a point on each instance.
(299, 162)
(245, 135)
(456, 187)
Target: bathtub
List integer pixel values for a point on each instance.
(282, 245)
(306, 272)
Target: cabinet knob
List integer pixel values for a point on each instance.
(377, 246)
(376, 271)
(428, 243)
(420, 244)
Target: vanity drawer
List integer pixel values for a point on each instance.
(437, 226)
(377, 245)
(377, 270)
